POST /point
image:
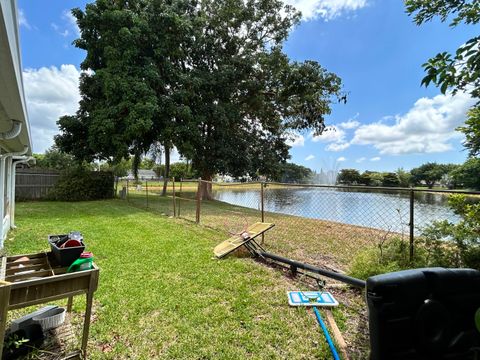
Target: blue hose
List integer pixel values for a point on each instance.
(327, 335)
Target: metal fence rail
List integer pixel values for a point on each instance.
(312, 221)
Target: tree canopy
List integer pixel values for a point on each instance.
(468, 173)
(293, 173)
(390, 179)
(209, 77)
(54, 159)
(349, 177)
(459, 71)
(429, 173)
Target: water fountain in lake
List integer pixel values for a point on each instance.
(327, 174)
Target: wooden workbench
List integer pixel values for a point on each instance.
(40, 281)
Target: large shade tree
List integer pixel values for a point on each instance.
(118, 105)
(246, 92)
(208, 77)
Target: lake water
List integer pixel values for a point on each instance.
(374, 209)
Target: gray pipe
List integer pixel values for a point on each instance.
(334, 275)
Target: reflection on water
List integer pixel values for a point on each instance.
(376, 209)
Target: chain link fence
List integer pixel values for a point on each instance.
(322, 225)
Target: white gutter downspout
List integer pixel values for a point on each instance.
(3, 157)
(16, 161)
(13, 132)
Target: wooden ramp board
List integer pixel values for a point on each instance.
(236, 241)
(311, 298)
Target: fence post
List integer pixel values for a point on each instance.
(180, 198)
(146, 189)
(262, 206)
(197, 214)
(412, 222)
(174, 205)
(128, 191)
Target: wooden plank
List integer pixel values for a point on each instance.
(53, 279)
(3, 267)
(4, 298)
(33, 184)
(14, 270)
(88, 312)
(236, 241)
(30, 256)
(33, 274)
(342, 345)
(45, 299)
(70, 304)
(27, 262)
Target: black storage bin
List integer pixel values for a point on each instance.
(64, 256)
(424, 314)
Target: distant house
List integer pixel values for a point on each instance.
(143, 175)
(15, 140)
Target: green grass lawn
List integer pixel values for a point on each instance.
(161, 295)
(318, 242)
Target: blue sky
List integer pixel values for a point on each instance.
(388, 122)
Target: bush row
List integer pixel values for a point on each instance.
(79, 184)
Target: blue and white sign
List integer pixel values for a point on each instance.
(311, 298)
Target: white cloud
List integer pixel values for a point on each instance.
(57, 29)
(338, 146)
(360, 160)
(71, 21)
(333, 135)
(376, 158)
(22, 20)
(330, 134)
(350, 124)
(428, 127)
(295, 140)
(309, 157)
(326, 9)
(50, 93)
(69, 25)
(341, 159)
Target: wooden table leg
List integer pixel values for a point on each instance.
(86, 323)
(69, 304)
(4, 300)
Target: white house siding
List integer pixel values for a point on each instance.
(12, 109)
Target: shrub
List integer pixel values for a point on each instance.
(441, 243)
(463, 238)
(392, 255)
(79, 184)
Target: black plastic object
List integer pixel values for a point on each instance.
(424, 314)
(14, 348)
(66, 256)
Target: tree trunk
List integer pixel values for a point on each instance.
(137, 159)
(206, 188)
(166, 175)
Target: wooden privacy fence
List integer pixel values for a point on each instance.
(34, 184)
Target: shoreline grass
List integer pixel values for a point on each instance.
(323, 243)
